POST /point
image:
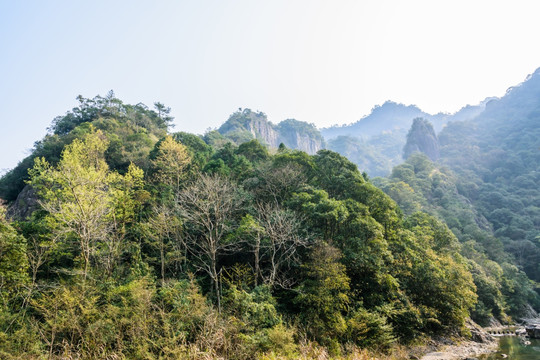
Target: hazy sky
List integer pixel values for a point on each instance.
(324, 62)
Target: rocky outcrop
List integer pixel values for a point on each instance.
(478, 334)
(307, 144)
(300, 135)
(422, 138)
(262, 129)
(445, 349)
(245, 125)
(25, 204)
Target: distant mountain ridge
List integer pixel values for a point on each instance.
(392, 116)
(375, 142)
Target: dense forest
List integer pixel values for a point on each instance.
(120, 238)
(124, 240)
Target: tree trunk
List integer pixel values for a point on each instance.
(215, 278)
(257, 260)
(161, 253)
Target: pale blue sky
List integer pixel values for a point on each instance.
(324, 62)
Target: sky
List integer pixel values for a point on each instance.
(324, 62)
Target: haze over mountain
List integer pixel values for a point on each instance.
(376, 141)
(484, 186)
(392, 116)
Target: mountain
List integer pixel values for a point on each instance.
(497, 155)
(392, 116)
(387, 117)
(245, 125)
(375, 142)
(484, 185)
(151, 245)
(376, 155)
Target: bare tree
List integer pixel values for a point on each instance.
(207, 207)
(283, 240)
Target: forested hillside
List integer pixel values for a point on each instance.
(484, 187)
(498, 157)
(503, 288)
(120, 238)
(146, 244)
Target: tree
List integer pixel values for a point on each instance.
(207, 207)
(276, 182)
(253, 150)
(163, 113)
(171, 159)
(13, 262)
(80, 195)
(164, 233)
(283, 241)
(323, 295)
(40, 244)
(251, 232)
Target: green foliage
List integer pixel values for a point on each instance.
(421, 184)
(369, 329)
(500, 169)
(256, 310)
(227, 162)
(323, 295)
(13, 261)
(132, 130)
(199, 151)
(86, 200)
(254, 151)
(196, 247)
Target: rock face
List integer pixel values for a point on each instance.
(261, 128)
(478, 334)
(300, 135)
(25, 204)
(422, 138)
(245, 125)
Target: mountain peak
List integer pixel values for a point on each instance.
(422, 138)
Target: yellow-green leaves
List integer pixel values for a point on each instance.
(170, 162)
(83, 197)
(13, 262)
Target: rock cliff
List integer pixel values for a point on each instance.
(245, 125)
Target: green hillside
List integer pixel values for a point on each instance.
(146, 245)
